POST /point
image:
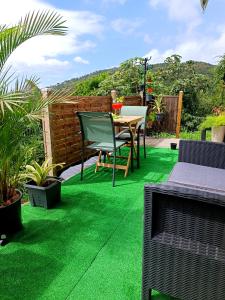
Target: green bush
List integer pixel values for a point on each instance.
(213, 121)
(190, 122)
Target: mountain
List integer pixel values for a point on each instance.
(200, 67)
(71, 82)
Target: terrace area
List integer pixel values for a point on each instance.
(115, 210)
(90, 246)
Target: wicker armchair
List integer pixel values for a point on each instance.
(184, 228)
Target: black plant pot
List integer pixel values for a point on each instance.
(46, 197)
(159, 117)
(173, 146)
(149, 99)
(10, 217)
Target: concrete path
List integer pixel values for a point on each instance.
(162, 142)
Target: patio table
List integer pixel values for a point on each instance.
(130, 122)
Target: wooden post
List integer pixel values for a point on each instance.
(47, 131)
(179, 111)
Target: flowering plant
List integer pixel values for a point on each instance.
(149, 85)
(120, 99)
(149, 90)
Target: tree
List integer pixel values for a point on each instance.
(21, 101)
(90, 86)
(126, 80)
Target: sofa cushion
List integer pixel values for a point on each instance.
(198, 176)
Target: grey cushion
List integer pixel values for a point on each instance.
(192, 175)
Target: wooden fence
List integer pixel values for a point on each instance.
(62, 138)
(172, 120)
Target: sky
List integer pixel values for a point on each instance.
(104, 33)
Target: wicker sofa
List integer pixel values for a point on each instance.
(184, 226)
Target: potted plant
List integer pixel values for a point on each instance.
(118, 104)
(151, 119)
(217, 125)
(159, 107)
(43, 190)
(149, 89)
(20, 110)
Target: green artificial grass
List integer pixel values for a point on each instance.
(90, 246)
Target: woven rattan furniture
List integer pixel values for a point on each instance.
(184, 227)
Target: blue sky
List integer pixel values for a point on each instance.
(103, 33)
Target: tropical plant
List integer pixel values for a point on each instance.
(213, 121)
(21, 102)
(39, 173)
(159, 105)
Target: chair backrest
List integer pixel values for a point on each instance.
(135, 111)
(97, 126)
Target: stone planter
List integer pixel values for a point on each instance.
(218, 133)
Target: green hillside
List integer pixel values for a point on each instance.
(200, 67)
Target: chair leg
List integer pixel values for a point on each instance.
(128, 163)
(99, 160)
(138, 152)
(104, 157)
(82, 163)
(108, 156)
(114, 165)
(144, 144)
(132, 156)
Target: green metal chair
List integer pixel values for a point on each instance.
(125, 136)
(98, 128)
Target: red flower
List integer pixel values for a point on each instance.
(149, 90)
(117, 105)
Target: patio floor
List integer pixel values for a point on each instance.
(90, 247)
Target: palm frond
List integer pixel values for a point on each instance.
(33, 24)
(204, 4)
(34, 109)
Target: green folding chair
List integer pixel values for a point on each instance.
(124, 134)
(98, 128)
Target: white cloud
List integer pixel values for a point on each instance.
(122, 2)
(80, 60)
(203, 48)
(47, 50)
(126, 26)
(188, 12)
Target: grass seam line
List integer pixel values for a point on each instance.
(94, 258)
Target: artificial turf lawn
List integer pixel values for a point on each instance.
(90, 246)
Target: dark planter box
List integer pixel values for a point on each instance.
(10, 217)
(47, 196)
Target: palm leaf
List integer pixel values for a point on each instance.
(204, 4)
(33, 24)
